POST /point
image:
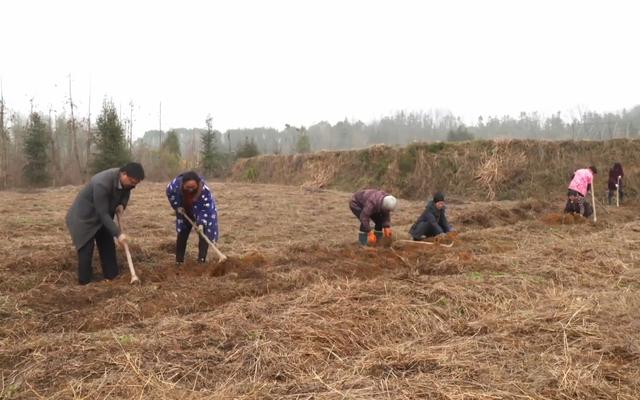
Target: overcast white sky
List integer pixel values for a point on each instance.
(266, 63)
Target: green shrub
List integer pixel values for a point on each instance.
(459, 135)
(251, 174)
(364, 157)
(436, 147)
(407, 159)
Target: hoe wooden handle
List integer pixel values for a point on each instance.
(593, 200)
(221, 257)
(427, 243)
(132, 271)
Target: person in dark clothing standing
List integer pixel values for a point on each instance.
(615, 181)
(373, 205)
(432, 221)
(90, 218)
(188, 193)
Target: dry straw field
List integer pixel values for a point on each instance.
(525, 305)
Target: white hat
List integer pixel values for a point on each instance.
(389, 203)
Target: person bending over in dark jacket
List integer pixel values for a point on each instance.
(433, 220)
(90, 218)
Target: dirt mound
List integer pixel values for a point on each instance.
(478, 170)
(493, 214)
(244, 267)
(564, 219)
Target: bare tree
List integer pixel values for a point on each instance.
(131, 125)
(626, 131)
(74, 136)
(160, 124)
(89, 133)
(4, 145)
(193, 156)
(55, 163)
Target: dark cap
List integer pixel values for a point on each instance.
(438, 197)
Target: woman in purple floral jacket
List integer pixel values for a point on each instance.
(189, 193)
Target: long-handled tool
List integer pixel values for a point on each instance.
(618, 192)
(425, 242)
(221, 257)
(132, 271)
(593, 200)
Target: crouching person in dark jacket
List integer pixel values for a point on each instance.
(90, 218)
(373, 205)
(432, 221)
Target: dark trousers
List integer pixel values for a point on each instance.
(376, 218)
(424, 228)
(612, 194)
(107, 252)
(579, 206)
(181, 244)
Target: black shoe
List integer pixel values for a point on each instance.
(201, 260)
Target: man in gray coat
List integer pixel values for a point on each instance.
(90, 218)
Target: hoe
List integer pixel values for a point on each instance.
(221, 257)
(132, 271)
(449, 236)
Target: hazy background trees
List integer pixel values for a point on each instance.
(36, 144)
(404, 128)
(247, 149)
(57, 148)
(168, 163)
(209, 155)
(5, 143)
(111, 148)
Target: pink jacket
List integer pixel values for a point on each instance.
(581, 179)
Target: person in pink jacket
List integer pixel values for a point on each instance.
(580, 185)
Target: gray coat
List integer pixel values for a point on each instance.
(95, 206)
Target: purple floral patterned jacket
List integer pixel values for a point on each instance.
(204, 208)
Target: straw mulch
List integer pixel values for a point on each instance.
(518, 308)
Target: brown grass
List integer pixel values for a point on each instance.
(518, 308)
(478, 170)
(500, 167)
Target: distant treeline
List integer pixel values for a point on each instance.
(45, 149)
(404, 128)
